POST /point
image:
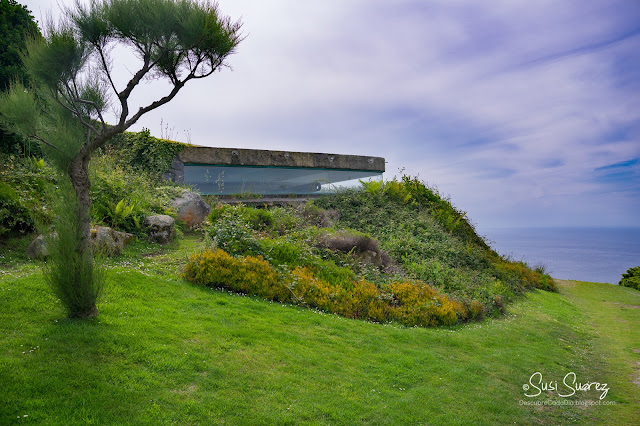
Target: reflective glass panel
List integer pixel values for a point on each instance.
(227, 180)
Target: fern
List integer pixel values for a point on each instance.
(373, 186)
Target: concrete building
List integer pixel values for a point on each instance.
(227, 171)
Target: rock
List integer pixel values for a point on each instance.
(103, 238)
(160, 228)
(38, 248)
(191, 209)
(370, 257)
(109, 241)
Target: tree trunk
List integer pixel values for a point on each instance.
(79, 175)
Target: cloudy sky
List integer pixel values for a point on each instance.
(526, 113)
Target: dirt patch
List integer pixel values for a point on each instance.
(623, 305)
(154, 254)
(565, 283)
(636, 380)
(185, 391)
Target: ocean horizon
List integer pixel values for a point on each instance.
(572, 253)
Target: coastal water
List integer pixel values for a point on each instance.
(583, 254)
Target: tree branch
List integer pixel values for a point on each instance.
(75, 94)
(156, 104)
(73, 110)
(105, 67)
(93, 104)
(44, 141)
(135, 80)
(124, 95)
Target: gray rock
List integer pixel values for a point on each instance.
(39, 248)
(160, 228)
(109, 241)
(191, 209)
(103, 238)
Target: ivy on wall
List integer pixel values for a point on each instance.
(144, 152)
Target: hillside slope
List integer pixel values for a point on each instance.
(166, 351)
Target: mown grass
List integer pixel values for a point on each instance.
(613, 316)
(165, 351)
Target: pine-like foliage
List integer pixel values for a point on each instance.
(73, 275)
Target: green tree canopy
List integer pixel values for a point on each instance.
(16, 26)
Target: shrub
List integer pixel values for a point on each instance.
(283, 252)
(26, 185)
(14, 217)
(308, 290)
(409, 303)
(72, 275)
(249, 275)
(419, 304)
(285, 221)
(631, 278)
(259, 219)
(364, 300)
(476, 309)
(327, 270)
(144, 152)
(122, 198)
(519, 272)
(218, 211)
(234, 236)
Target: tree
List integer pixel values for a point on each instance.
(16, 25)
(631, 278)
(74, 84)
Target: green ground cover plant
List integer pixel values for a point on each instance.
(164, 351)
(121, 196)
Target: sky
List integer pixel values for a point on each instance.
(524, 113)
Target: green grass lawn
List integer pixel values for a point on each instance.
(165, 351)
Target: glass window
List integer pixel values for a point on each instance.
(227, 180)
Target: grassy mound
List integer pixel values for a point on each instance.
(394, 251)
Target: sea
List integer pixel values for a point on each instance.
(582, 254)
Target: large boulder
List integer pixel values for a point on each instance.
(191, 208)
(160, 228)
(109, 241)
